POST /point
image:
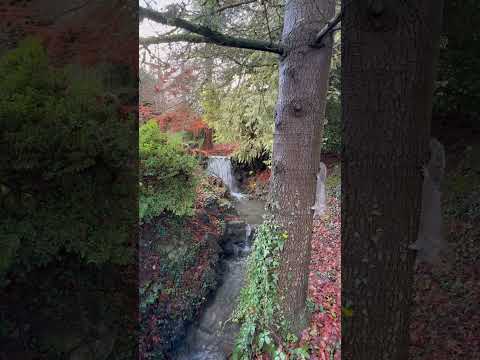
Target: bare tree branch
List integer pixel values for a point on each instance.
(329, 27)
(265, 12)
(215, 37)
(166, 39)
(234, 5)
(73, 9)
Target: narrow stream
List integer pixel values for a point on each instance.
(212, 337)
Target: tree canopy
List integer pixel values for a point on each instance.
(236, 87)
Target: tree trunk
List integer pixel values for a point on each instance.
(388, 60)
(299, 122)
(207, 139)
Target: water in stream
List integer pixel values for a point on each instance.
(212, 337)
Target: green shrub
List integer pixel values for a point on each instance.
(333, 183)
(457, 90)
(167, 182)
(63, 166)
(332, 136)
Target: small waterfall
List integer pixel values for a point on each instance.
(248, 234)
(221, 167)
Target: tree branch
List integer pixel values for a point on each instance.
(226, 7)
(215, 37)
(329, 27)
(166, 39)
(265, 12)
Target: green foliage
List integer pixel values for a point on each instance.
(262, 325)
(167, 182)
(244, 114)
(179, 272)
(332, 136)
(333, 182)
(458, 82)
(462, 189)
(258, 308)
(63, 165)
(300, 353)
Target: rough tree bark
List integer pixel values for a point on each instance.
(388, 58)
(299, 119)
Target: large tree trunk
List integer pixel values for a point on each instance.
(388, 61)
(296, 150)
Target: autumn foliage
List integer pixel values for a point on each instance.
(145, 112)
(185, 120)
(324, 333)
(180, 119)
(71, 33)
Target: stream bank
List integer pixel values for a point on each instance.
(191, 268)
(179, 261)
(212, 336)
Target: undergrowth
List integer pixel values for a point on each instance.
(333, 182)
(462, 188)
(263, 329)
(258, 302)
(65, 178)
(177, 273)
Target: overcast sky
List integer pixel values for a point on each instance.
(150, 28)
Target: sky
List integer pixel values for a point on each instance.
(150, 28)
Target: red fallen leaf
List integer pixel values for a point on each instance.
(324, 330)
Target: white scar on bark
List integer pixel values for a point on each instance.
(431, 240)
(320, 196)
